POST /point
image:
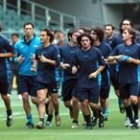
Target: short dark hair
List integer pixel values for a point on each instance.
(131, 23)
(71, 32)
(15, 34)
(28, 23)
(57, 31)
(84, 35)
(99, 32)
(111, 25)
(49, 33)
(85, 29)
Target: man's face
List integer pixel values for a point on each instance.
(126, 25)
(93, 35)
(85, 42)
(108, 31)
(28, 30)
(14, 39)
(74, 37)
(126, 35)
(44, 37)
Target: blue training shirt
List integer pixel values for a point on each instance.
(67, 54)
(46, 72)
(27, 49)
(88, 62)
(5, 47)
(127, 71)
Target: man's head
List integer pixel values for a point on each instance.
(85, 40)
(73, 35)
(129, 34)
(109, 30)
(28, 29)
(14, 37)
(125, 24)
(46, 36)
(97, 34)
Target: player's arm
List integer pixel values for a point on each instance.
(47, 60)
(133, 60)
(94, 74)
(34, 66)
(9, 51)
(113, 59)
(102, 65)
(5, 55)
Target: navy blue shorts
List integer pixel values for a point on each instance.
(3, 85)
(126, 90)
(52, 87)
(27, 84)
(69, 89)
(90, 94)
(105, 86)
(139, 88)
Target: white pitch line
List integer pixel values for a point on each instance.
(93, 133)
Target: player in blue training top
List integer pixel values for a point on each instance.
(47, 59)
(86, 63)
(97, 35)
(69, 84)
(25, 51)
(128, 55)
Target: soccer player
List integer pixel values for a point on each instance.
(6, 51)
(25, 51)
(125, 24)
(97, 35)
(85, 63)
(47, 58)
(109, 33)
(128, 55)
(69, 85)
(14, 67)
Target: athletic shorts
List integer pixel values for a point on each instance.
(90, 94)
(3, 85)
(27, 84)
(52, 87)
(69, 89)
(126, 90)
(105, 86)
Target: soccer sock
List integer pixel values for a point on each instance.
(129, 113)
(49, 118)
(95, 114)
(9, 112)
(56, 113)
(75, 121)
(30, 118)
(46, 107)
(106, 113)
(135, 109)
(42, 120)
(87, 119)
(100, 113)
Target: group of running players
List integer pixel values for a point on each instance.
(88, 63)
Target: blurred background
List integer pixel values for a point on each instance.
(66, 14)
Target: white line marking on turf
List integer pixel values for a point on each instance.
(66, 134)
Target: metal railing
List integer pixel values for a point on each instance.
(59, 18)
